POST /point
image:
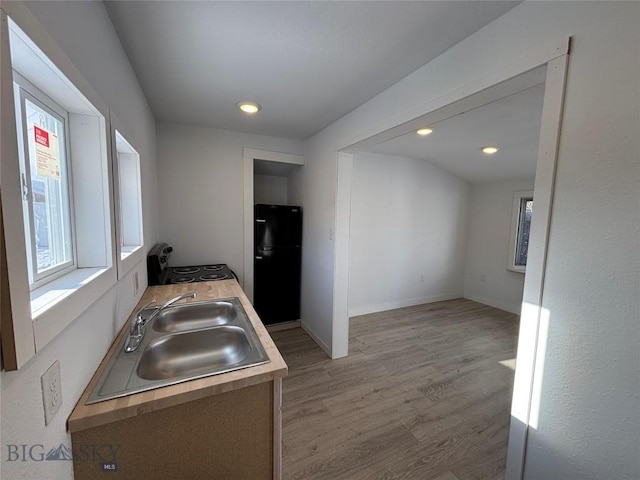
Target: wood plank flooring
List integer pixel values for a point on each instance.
(422, 395)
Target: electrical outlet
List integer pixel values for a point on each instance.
(422, 278)
(483, 278)
(51, 391)
(136, 284)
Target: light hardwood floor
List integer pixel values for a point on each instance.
(422, 395)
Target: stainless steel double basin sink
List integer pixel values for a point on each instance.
(183, 342)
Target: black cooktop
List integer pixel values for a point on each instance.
(160, 273)
(199, 273)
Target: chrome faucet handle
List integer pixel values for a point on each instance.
(137, 321)
(136, 327)
(152, 302)
(177, 299)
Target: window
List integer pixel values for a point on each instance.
(55, 192)
(520, 228)
(129, 202)
(524, 225)
(44, 170)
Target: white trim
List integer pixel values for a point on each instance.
(316, 339)
(30, 28)
(409, 302)
(249, 156)
(126, 261)
(126, 257)
(15, 239)
(92, 190)
(537, 56)
(60, 302)
(129, 257)
(247, 275)
(532, 312)
(342, 234)
(255, 154)
(29, 92)
(94, 243)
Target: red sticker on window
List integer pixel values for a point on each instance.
(42, 136)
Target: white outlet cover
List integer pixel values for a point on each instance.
(51, 391)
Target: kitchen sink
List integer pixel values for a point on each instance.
(190, 353)
(194, 315)
(183, 342)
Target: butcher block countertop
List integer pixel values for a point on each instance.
(88, 416)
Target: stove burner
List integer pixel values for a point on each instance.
(182, 280)
(185, 270)
(214, 276)
(213, 268)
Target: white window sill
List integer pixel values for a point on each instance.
(58, 303)
(49, 295)
(128, 250)
(516, 269)
(130, 256)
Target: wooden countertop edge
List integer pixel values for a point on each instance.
(89, 416)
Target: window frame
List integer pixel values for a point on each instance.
(25, 90)
(517, 216)
(127, 256)
(34, 317)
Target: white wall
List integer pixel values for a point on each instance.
(201, 179)
(408, 219)
(314, 188)
(85, 33)
(270, 189)
(487, 279)
(587, 427)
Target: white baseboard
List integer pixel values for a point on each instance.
(492, 302)
(316, 339)
(409, 302)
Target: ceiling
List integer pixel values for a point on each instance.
(511, 123)
(307, 63)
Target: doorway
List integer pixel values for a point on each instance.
(456, 103)
(266, 180)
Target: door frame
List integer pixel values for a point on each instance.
(531, 344)
(249, 155)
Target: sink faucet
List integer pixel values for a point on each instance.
(177, 299)
(136, 328)
(138, 322)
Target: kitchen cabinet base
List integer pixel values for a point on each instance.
(226, 436)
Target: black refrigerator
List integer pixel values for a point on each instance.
(277, 262)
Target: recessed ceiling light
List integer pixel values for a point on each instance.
(249, 107)
(489, 150)
(423, 132)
